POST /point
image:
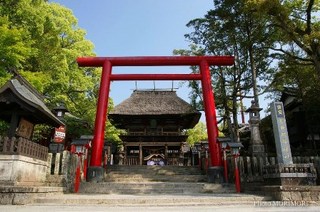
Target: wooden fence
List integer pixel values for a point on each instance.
(22, 146)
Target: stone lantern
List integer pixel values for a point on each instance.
(59, 134)
(60, 111)
(256, 147)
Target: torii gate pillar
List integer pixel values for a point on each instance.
(95, 171)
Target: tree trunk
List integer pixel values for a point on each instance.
(254, 77)
(316, 62)
(225, 105)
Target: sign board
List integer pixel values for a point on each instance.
(281, 133)
(59, 134)
(25, 129)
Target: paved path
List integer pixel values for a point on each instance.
(98, 208)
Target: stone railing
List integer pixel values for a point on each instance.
(22, 146)
(62, 168)
(253, 169)
(291, 174)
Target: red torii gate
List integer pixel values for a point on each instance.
(95, 171)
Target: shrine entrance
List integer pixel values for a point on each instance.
(96, 171)
(155, 122)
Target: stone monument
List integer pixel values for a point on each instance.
(286, 172)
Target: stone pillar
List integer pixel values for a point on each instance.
(66, 169)
(285, 173)
(57, 164)
(256, 147)
(121, 155)
(166, 152)
(65, 161)
(49, 163)
(140, 154)
(280, 133)
(125, 155)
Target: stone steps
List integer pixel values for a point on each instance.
(20, 195)
(161, 170)
(154, 174)
(154, 178)
(154, 188)
(55, 180)
(150, 200)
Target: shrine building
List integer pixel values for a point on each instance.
(155, 122)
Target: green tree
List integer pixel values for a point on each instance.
(42, 41)
(14, 48)
(231, 29)
(298, 26)
(197, 134)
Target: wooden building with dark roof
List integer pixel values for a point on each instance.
(155, 122)
(20, 101)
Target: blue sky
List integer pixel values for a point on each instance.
(139, 28)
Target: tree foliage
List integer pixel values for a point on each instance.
(298, 26)
(14, 48)
(197, 134)
(230, 29)
(297, 49)
(41, 40)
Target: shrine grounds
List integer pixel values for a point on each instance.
(262, 206)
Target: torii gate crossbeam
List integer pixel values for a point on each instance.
(95, 171)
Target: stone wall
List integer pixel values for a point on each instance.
(293, 193)
(22, 170)
(58, 170)
(23, 178)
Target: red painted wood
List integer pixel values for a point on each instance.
(210, 112)
(155, 61)
(108, 62)
(101, 115)
(236, 174)
(126, 77)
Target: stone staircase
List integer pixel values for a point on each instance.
(154, 180)
(138, 200)
(154, 174)
(55, 180)
(153, 186)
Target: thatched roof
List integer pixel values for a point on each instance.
(146, 106)
(153, 102)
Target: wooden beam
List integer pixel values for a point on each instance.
(153, 143)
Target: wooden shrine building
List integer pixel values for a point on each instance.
(155, 122)
(23, 106)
